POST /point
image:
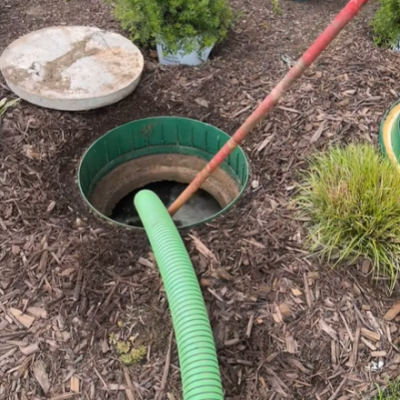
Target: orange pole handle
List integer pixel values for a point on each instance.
(342, 19)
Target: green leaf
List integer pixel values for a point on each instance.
(5, 104)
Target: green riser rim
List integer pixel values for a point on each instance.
(158, 135)
(389, 137)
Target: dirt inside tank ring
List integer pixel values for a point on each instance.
(142, 171)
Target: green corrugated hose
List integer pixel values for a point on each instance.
(196, 349)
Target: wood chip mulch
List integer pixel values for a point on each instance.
(286, 326)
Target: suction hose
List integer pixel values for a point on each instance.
(196, 349)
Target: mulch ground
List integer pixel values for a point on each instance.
(286, 327)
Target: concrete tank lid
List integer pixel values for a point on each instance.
(72, 67)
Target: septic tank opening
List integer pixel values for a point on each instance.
(163, 154)
(201, 206)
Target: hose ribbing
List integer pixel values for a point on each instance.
(196, 348)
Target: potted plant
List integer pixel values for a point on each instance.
(386, 25)
(184, 31)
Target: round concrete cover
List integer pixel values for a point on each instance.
(72, 68)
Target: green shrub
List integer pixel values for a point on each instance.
(176, 22)
(386, 23)
(351, 196)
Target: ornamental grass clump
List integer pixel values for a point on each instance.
(351, 198)
(392, 391)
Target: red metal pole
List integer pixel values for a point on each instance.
(351, 9)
